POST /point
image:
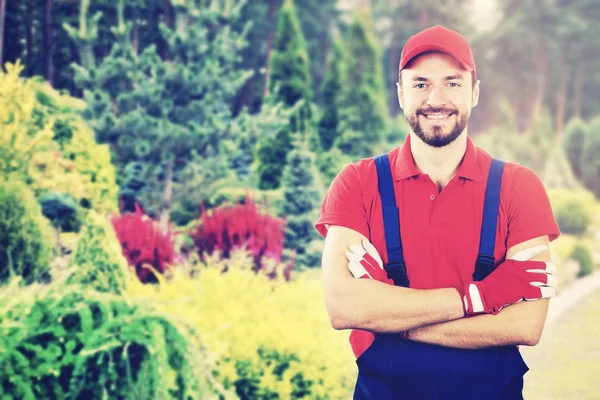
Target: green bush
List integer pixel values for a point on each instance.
(61, 342)
(573, 209)
(575, 134)
(98, 261)
(582, 255)
(25, 234)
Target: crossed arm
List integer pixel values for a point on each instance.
(432, 316)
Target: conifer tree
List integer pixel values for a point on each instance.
(363, 113)
(167, 116)
(331, 95)
(290, 84)
(300, 181)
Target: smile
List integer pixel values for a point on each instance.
(436, 116)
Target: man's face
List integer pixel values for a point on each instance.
(437, 96)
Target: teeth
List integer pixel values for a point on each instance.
(437, 116)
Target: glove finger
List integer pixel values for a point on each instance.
(357, 249)
(528, 254)
(372, 251)
(366, 260)
(551, 281)
(357, 270)
(549, 268)
(544, 292)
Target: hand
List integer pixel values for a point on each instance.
(364, 262)
(514, 280)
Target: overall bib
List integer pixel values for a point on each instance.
(395, 368)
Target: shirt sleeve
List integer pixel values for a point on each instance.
(343, 204)
(530, 213)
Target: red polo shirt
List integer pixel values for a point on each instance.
(439, 230)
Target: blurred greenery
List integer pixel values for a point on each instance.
(183, 106)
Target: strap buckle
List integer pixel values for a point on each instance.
(483, 267)
(396, 271)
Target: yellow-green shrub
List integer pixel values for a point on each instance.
(269, 337)
(573, 209)
(45, 142)
(25, 234)
(582, 255)
(64, 342)
(19, 139)
(98, 261)
(80, 165)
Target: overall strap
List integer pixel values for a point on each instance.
(485, 259)
(395, 268)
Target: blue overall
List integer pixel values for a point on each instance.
(395, 368)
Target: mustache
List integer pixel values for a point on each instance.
(435, 111)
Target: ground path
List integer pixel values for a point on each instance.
(566, 362)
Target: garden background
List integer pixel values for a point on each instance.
(163, 163)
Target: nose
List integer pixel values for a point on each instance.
(436, 98)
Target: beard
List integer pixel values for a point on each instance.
(436, 136)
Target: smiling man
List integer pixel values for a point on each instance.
(453, 246)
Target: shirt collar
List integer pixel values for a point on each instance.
(469, 169)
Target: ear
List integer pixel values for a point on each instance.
(400, 94)
(475, 93)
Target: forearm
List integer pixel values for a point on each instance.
(519, 324)
(378, 307)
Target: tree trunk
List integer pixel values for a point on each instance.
(541, 62)
(561, 93)
(270, 36)
(423, 18)
(87, 55)
(165, 205)
(135, 38)
(167, 15)
(2, 18)
(394, 61)
(29, 35)
(48, 42)
(578, 89)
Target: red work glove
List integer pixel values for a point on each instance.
(364, 262)
(514, 280)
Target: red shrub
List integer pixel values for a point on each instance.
(227, 228)
(143, 242)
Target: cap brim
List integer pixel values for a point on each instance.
(422, 48)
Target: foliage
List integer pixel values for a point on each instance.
(164, 111)
(582, 255)
(363, 112)
(574, 141)
(331, 96)
(98, 261)
(46, 143)
(25, 235)
(145, 246)
(64, 342)
(228, 228)
(330, 163)
(58, 208)
(300, 180)
(573, 210)
(290, 84)
(271, 339)
(21, 137)
(590, 160)
(79, 166)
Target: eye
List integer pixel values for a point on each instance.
(454, 84)
(419, 86)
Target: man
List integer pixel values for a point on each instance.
(440, 330)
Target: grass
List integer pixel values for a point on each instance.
(565, 365)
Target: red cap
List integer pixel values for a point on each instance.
(441, 39)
